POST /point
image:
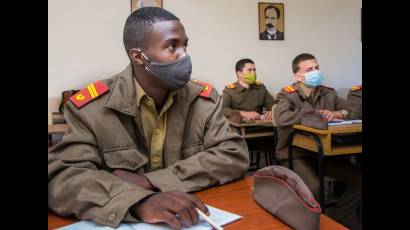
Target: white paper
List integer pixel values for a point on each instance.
(219, 216)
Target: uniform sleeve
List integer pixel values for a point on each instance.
(286, 113)
(355, 100)
(78, 185)
(342, 103)
(226, 104)
(268, 100)
(224, 158)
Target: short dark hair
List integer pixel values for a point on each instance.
(138, 26)
(298, 59)
(241, 63)
(273, 7)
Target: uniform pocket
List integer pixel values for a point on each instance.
(124, 158)
(192, 149)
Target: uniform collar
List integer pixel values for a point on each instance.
(240, 88)
(123, 93)
(141, 93)
(320, 91)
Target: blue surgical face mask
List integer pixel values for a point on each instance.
(313, 78)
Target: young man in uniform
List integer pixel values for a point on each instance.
(142, 140)
(247, 97)
(307, 94)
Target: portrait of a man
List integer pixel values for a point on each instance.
(271, 21)
(136, 4)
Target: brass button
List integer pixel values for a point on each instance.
(149, 102)
(156, 130)
(111, 217)
(156, 159)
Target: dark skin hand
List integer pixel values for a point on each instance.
(175, 208)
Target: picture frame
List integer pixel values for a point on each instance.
(136, 4)
(271, 21)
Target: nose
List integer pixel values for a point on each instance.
(182, 53)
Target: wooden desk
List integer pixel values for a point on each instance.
(57, 128)
(257, 129)
(253, 129)
(53, 129)
(235, 197)
(320, 141)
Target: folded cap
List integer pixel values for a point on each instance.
(313, 118)
(284, 194)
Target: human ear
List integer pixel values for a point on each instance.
(136, 56)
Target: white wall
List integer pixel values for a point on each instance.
(85, 40)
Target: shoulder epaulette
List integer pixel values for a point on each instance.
(259, 82)
(356, 87)
(207, 90)
(89, 93)
(289, 89)
(231, 85)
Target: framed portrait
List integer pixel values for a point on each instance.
(271, 21)
(136, 4)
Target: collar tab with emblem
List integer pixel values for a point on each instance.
(89, 93)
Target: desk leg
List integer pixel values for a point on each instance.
(321, 177)
(321, 172)
(320, 162)
(290, 150)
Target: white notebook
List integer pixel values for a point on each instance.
(346, 122)
(219, 216)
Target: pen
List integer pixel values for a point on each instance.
(211, 222)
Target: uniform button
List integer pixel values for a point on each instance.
(149, 102)
(156, 159)
(156, 130)
(111, 217)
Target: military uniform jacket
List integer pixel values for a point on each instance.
(106, 134)
(292, 101)
(237, 97)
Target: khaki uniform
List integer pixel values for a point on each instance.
(236, 97)
(355, 98)
(292, 101)
(198, 151)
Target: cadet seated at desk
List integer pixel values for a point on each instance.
(307, 93)
(141, 140)
(247, 97)
(355, 99)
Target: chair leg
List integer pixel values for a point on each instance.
(258, 159)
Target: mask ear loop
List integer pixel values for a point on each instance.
(146, 58)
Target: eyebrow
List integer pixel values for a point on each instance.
(175, 40)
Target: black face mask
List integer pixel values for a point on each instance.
(175, 74)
